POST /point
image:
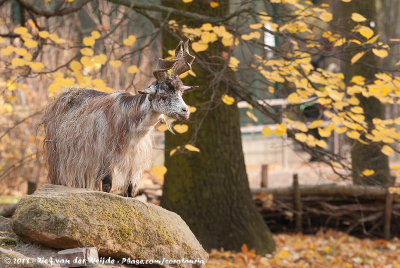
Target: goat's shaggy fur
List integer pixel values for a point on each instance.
(91, 136)
(100, 140)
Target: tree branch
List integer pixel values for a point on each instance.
(146, 6)
(48, 13)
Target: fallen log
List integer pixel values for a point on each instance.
(367, 192)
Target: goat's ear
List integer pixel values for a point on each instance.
(188, 88)
(150, 90)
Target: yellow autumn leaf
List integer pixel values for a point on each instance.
(187, 1)
(181, 128)
(267, 131)
(326, 16)
(227, 41)
(394, 190)
(340, 130)
(381, 53)
(21, 51)
(192, 148)
(256, 26)
(75, 65)
(192, 109)
(88, 41)
(357, 56)
(250, 36)
(18, 62)
(324, 132)
(162, 127)
(87, 61)
(228, 100)
(233, 63)
(358, 79)
(199, 46)
(87, 51)
(357, 110)
(302, 137)
(294, 98)
(132, 69)
(100, 59)
(20, 30)
(358, 17)
(252, 116)
(36, 66)
(44, 34)
(365, 31)
(96, 35)
(368, 172)
(214, 4)
(353, 134)
(172, 152)
(373, 39)
(130, 40)
(29, 43)
(6, 108)
(7, 51)
(315, 124)
(280, 129)
(208, 37)
(115, 63)
(159, 171)
(387, 150)
(321, 143)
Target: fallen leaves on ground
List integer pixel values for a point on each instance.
(329, 249)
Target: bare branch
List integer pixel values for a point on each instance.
(48, 13)
(146, 6)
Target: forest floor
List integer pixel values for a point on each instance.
(324, 249)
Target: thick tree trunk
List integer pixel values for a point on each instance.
(210, 189)
(366, 156)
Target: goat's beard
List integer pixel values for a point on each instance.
(168, 122)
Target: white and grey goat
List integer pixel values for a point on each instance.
(101, 141)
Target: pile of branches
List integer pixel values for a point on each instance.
(362, 211)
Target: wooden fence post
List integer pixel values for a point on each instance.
(388, 211)
(264, 176)
(297, 204)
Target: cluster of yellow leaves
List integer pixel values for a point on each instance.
(53, 37)
(279, 130)
(329, 249)
(23, 57)
(205, 35)
(343, 111)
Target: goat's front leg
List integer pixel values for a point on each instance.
(107, 184)
(128, 192)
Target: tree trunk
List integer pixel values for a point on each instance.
(210, 189)
(366, 156)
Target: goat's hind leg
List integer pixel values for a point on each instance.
(107, 184)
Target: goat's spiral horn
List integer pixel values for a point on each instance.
(184, 59)
(182, 63)
(160, 72)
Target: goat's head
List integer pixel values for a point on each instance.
(166, 93)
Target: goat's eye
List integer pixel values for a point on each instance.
(163, 95)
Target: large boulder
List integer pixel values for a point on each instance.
(119, 227)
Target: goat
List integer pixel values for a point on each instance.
(101, 141)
